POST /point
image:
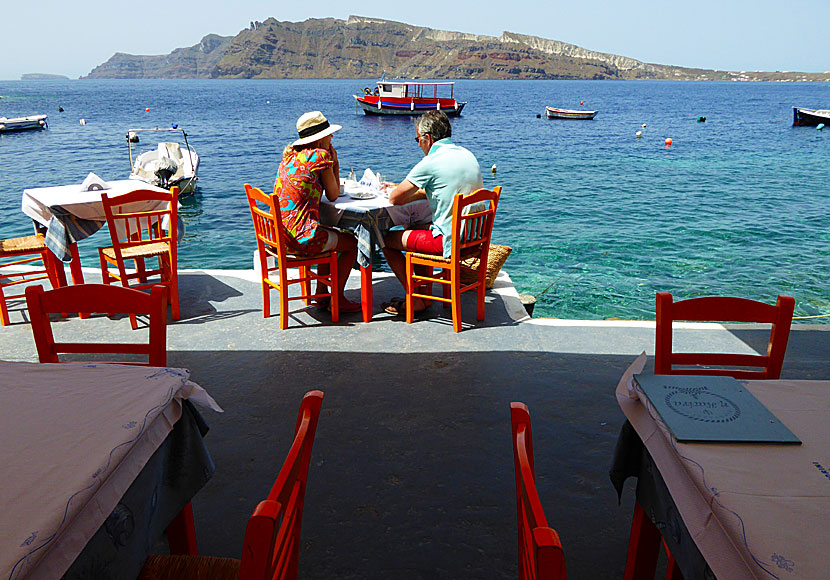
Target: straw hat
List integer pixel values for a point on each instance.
(313, 126)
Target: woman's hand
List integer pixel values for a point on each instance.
(336, 165)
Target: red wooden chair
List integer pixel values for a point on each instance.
(137, 235)
(271, 548)
(721, 308)
(270, 240)
(540, 551)
(15, 252)
(472, 225)
(98, 298)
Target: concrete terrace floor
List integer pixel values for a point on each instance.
(412, 468)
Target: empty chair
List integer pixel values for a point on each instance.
(98, 298)
(135, 224)
(540, 551)
(271, 548)
(16, 252)
(472, 225)
(726, 309)
(270, 241)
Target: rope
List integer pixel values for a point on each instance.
(809, 317)
(555, 281)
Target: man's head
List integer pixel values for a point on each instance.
(431, 127)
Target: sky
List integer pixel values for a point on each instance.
(72, 37)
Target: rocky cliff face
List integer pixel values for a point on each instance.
(194, 62)
(363, 47)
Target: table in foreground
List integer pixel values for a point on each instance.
(751, 510)
(76, 438)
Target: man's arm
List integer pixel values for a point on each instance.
(406, 192)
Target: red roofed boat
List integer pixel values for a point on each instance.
(408, 98)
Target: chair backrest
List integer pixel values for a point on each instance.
(98, 298)
(472, 222)
(724, 309)
(540, 551)
(267, 223)
(133, 220)
(272, 539)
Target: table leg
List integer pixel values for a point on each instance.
(181, 533)
(366, 291)
(76, 272)
(643, 547)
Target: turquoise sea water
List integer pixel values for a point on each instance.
(737, 205)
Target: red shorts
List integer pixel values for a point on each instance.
(424, 242)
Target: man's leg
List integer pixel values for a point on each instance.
(395, 246)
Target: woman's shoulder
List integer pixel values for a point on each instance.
(318, 154)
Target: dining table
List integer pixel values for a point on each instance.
(98, 460)
(370, 217)
(71, 213)
(730, 509)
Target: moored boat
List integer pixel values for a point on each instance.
(408, 98)
(554, 113)
(810, 117)
(169, 164)
(22, 123)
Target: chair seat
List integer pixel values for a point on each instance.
(271, 251)
(433, 257)
(22, 244)
(189, 568)
(143, 251)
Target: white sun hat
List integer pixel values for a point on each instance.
(313, 126)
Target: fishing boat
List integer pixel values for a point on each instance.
(409, 98)
(810, 117)
(553, 113)
(22, 123)
(169, 164)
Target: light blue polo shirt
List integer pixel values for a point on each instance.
(445, 171)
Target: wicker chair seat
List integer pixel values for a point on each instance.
(273, 252)
(189, 568)
(22, 244)
(143, 251)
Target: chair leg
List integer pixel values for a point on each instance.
(482, 287)
(643, 547)
(447, 291)
(283, 299)
(410, 289)
(305, 285)
(181, 533)
(4, 309)
(266, 300)
(455, 294)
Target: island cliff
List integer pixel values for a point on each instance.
(365, 47)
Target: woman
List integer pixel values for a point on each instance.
(308, 170)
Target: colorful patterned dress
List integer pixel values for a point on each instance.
(299, 186)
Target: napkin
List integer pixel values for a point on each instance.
(94, 183)
(370, 181)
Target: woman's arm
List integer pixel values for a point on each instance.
(331, 177)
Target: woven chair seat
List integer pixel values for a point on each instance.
(23, 244)
(435, 257)
(189, 568)
(290, 256)
(144, 251)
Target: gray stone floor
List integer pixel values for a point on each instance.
(412, 469)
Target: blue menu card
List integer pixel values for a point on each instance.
(712, 409)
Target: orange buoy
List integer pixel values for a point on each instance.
(147, 109)
(668, 141)
(581, 102)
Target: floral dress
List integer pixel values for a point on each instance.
(299, 186)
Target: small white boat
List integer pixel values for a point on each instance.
(553, 113)
(169, 164)
(22, 123)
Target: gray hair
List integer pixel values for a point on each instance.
(435, 123)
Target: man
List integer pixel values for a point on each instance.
(446, 170)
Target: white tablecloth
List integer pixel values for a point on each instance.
(83, 204)
(74, 437)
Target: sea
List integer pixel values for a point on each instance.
(599, 219)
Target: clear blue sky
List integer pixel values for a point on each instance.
(71, 37)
